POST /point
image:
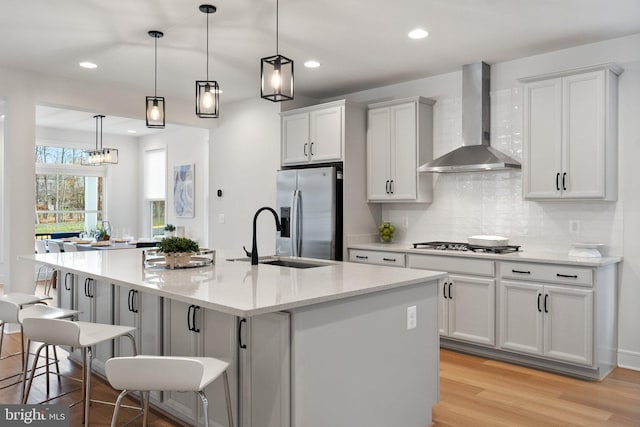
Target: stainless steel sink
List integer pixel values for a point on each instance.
(287, 261)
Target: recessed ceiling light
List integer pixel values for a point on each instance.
(87, 64)
(312, 64)
(418, 33)
(131, 131)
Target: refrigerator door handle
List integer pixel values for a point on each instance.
(295, 208)
(296, 223)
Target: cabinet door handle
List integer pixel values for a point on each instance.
(558, 181)
(87, 287)
(129, 303)
(189, 317)
(386, 187)
(569, 276)
(240, 333)
(362, 257)
(66, 276)
(304, 149)
(564, 177)
(450, 283)
(520, 272)
(311, 149)
(132, 296)
(195, 310)
(444, 290)
(391, 186)
(539, 309)
(546, 296)
(389, 259)
(86, 294)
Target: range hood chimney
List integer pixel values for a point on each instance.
(475, 155)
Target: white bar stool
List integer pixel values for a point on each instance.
(12, 312)
(81, 335)
(20, 299)
(141, 373)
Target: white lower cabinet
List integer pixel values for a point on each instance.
(468, 309)
(265, 370)
(550, 321)
(144, 312)
(190, 330)
(94, 300)
(467, 303)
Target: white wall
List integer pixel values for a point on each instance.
(121, 180)
(244, 157)
(491, 202)
(182, 145)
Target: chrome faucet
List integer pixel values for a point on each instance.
(254, 244)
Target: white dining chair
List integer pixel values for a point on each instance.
(140, 373)
(69, 247)
(41, 246)
(54, 247)
(82, 335)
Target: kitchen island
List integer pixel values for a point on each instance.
(339, 344)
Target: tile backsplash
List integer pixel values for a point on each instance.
(467, 204)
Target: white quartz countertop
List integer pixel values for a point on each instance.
(238, 288)
(522, 255)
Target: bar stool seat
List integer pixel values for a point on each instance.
(140, 373)
(79, 334)
(11, 311)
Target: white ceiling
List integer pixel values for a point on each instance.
(360, 43)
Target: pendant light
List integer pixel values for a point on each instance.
(207, 92)
(276, 74)
(155, 103)
(100, 156)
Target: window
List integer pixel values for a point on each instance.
(155, 173)
(69, 197)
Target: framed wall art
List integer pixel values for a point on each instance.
(183, 190)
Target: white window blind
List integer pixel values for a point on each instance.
(155, 174)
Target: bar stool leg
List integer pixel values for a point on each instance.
(1, 336)
(205, 408)
(55, 354)
(84, 379)
(32, 373)
(117, 407)
(46, 368)
(145, 408)
(87, 389)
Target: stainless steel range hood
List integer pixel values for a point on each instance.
(475, 155)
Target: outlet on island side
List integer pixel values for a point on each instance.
(412, 319)
(574, 227)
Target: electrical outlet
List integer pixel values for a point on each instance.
(411, 317)
(405, 221)
(574, 227)
(221, 218)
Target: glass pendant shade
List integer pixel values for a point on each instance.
(207, 99)
(155, 112)
(277, 78)
(154, 105)
(100, 155)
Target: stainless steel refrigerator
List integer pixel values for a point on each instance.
(309, 203)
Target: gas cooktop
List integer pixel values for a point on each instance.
(466, 247)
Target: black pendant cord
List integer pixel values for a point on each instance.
(96, 133)
(277, 52)
(155, 70)
(207, 47)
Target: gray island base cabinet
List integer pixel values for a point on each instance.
(343, 344)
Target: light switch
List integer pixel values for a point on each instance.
(412, 319)
(221, 218)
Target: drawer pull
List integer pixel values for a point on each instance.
(362, 257)
(520, 272)
(389, 259)
(569, 276)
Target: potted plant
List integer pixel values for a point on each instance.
(177, 251)
(169, 230)
(102, 235)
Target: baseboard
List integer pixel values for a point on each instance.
(629, 359)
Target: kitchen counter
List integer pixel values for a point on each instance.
(235, 287)
(522, 255)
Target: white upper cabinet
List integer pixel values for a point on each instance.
(399, 139)
(570, 134)
(313, 134)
